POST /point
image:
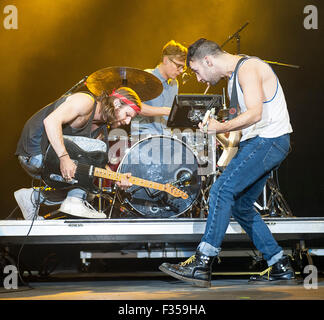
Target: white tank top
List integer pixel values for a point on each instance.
(275, 118)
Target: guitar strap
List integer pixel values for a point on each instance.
(233, 109)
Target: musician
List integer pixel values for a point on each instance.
(265, 125)
(154, 114)
(78, 115)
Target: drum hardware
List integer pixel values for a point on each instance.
(77, 86)
(273, 205)
(110, 199)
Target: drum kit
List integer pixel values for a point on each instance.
(185, 159)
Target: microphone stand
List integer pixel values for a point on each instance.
(77, 85)
(237, 36)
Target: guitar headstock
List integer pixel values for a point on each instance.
(175, 191)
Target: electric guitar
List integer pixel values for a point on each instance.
(90, 165)
(229, 141)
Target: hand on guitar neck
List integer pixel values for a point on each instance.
(212, 126)
(124, 183)
(228, 140)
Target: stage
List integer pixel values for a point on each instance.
(117, 259)
(71, 231)
(151, 238)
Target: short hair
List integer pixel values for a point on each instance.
(107, 101)
(174, 49)
(201, 48)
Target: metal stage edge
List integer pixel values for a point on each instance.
(85, 231)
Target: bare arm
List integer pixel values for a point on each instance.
(251, 84)
(149, 111)
(71, 111)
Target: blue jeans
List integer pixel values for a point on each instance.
(235, 192)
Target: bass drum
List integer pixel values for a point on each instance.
(164, 160)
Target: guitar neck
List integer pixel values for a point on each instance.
(111, 175)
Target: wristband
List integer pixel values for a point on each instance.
(63, 155)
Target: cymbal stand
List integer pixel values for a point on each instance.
(77, 86)
(274, 204)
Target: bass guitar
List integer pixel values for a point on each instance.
(90, 165)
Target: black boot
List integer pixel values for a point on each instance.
(279, 273)
(196, 270)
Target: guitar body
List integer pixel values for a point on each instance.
(85, 161)
(229, 142)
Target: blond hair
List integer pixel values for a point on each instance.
(174, 49)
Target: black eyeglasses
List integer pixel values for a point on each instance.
(179, 66)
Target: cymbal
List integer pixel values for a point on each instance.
(145, 84)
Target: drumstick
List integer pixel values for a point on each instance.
(208, 85)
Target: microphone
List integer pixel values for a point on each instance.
(185, 177)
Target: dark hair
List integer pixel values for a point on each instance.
(107, 101)
(202, 48)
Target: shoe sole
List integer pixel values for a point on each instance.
(97, 216)
(82, 216)
(196, 282)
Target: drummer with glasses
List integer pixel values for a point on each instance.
(154, 114)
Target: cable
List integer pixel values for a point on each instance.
(11, 213)
(36, 203)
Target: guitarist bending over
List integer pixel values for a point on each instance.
(78, 114)
(265, 125)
